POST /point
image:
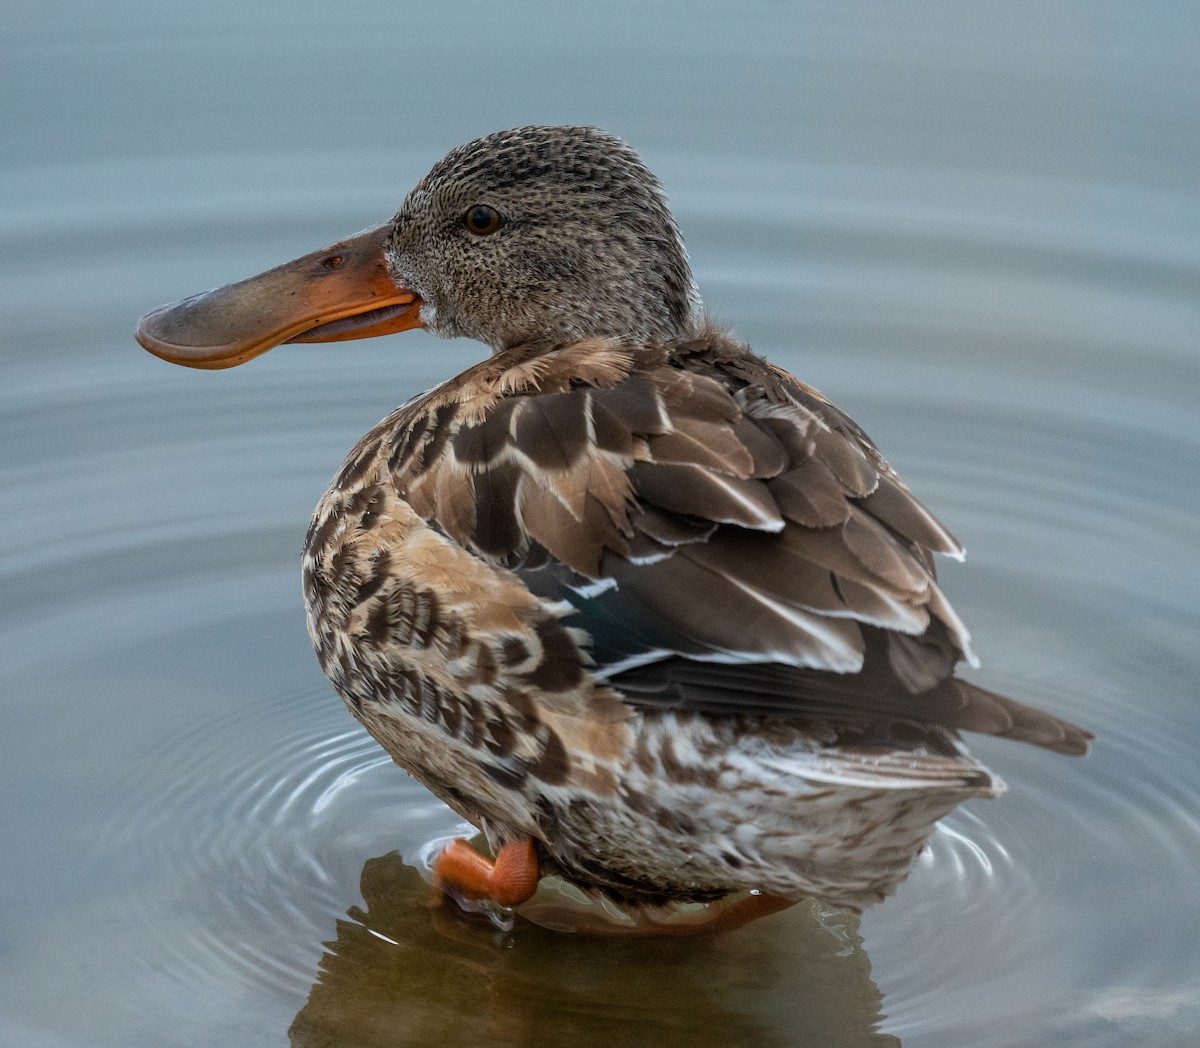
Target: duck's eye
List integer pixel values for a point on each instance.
(482, 220)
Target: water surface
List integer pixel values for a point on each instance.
(976, 227)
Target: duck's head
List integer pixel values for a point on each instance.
(539, 235)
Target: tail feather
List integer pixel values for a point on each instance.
(993, 714)
(867, 698)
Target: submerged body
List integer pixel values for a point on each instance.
(623, 590)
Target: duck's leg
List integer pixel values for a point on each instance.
(510, 879)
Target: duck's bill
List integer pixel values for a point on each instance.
(340, 292)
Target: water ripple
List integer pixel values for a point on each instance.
(1031, 374)
(266, 850)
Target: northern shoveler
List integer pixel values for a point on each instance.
(647, 610)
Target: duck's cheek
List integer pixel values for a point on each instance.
(442, 318)
(431, 318)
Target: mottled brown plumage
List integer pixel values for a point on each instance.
(625, 588)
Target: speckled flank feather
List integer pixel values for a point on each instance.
(482, 692)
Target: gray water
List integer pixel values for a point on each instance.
(975, 226)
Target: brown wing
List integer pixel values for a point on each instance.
(697, 505)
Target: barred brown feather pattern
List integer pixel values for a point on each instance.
(669, 471)
(523, 579)
(469, 681)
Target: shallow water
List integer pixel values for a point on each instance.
(976, 227)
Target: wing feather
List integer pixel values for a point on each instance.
(729, 540)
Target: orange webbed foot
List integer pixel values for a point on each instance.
(510, 880)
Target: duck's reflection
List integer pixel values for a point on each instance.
(400, 973)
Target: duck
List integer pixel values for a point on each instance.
(653, 615)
